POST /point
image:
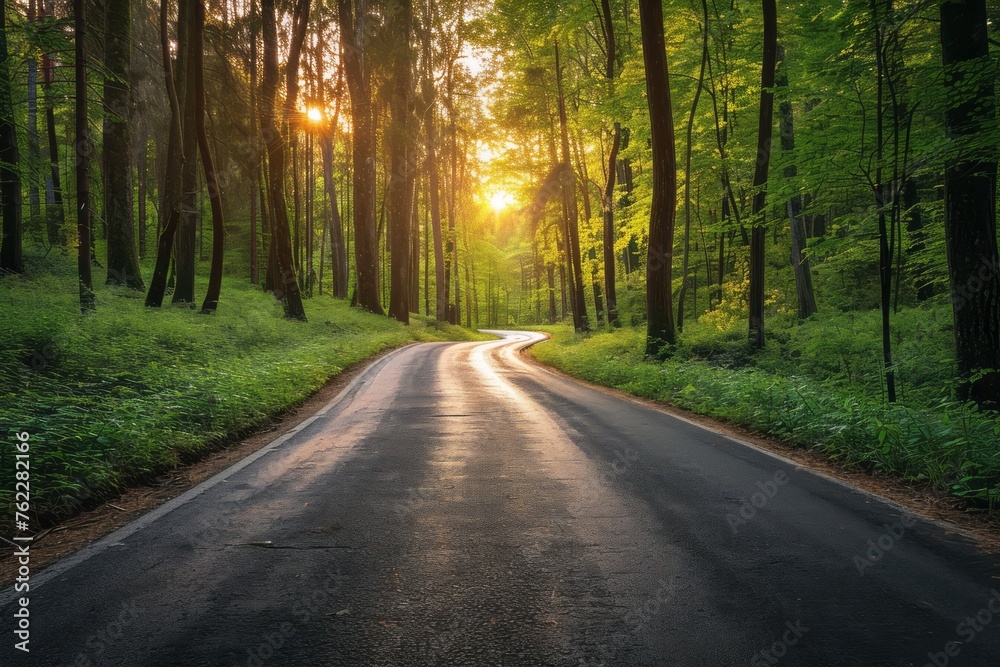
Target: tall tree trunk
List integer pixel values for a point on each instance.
(123, 262)
(608, 199)
(287, 286)
(10, 178)
(357, 68)
(687, 166)
(659, 307)
(83, 217)
(54, 215)
(885, 250)
(33, 156)
(970, 196)
(805, 297)
(433, 176)
(186, 237)
(171, 190)
(400, 186)
(142, 193)
(579, 301)
(211, 303)
(758, 235)
(338, 253)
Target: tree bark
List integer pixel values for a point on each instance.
(123, 262)
(11, 258)
(353, 15)
(608, 200)
(287, 287)
(805, 297)
(687, 167)
(83, 148)
(660, 332)
(171, 190)
(400, 187)
(211, 303)
(572, 217)
(758, 235)
(970, 196)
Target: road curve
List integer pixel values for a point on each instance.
(456, 505)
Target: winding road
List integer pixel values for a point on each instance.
(457, 505)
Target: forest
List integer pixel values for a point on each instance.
(780, 214)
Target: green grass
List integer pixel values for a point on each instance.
(114, 397)
(933, 441)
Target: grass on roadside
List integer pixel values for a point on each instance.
(941, 442)
(127, 392)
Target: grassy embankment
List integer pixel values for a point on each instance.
(112, 398)
(816, 385)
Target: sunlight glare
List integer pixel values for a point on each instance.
(501, 200)
(315, 115)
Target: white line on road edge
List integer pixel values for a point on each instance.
(64, 565)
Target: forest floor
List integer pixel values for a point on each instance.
(939, 457)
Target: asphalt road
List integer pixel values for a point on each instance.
(459, 506)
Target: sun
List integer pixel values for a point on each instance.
(501, 200)
(315, 115)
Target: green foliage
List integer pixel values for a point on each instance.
(938, 442)
(128, 392)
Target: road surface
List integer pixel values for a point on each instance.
(456, 505)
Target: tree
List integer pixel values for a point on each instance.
(54, 214)
(431, 168)
(288, 287)
(758, 235)
(123, 262)
(687, 165)
(805, 297)
(354, 35)
(170, 211)
(659, 257)
(970, 199)
(83, 151)
(10, 178)
(400, 193)
(211, 302)
(578, 299)
(608, 199)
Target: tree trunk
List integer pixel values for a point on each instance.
(574, 260)
(55, 218)
(186, 237)
(123, 262)
(83, 219)
(211, 303)
(608, 200)
(400, 186)
(764, 130)
(659, 307)
(287, 286)
(687, 167)
(33, 156)
(805, 297)
(433, 176)
(970, 196)
(171, 192)
(338, 253)
(357, 68)
(10, 178)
